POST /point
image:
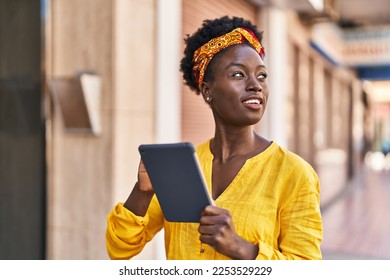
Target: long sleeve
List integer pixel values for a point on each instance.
(127, 234)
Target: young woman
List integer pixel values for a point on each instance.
(266, 198)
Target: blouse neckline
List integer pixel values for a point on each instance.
(262, 156)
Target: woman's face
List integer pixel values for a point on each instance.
(238, 89)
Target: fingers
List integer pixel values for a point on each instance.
(143, 178)
(215, 221)
(212, 210)
(142, 168)
(213, 218)
(212, 234)
(216, 229)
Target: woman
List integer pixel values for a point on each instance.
(266, 198)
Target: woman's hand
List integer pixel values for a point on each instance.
(217, 230)
(143, 183)
(142, 193)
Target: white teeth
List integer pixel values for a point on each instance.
(252, 101)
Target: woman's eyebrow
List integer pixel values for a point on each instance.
(232, 64)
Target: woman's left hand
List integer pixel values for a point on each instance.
(217, 230)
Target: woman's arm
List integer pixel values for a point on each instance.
(142, 193)
(132, 224)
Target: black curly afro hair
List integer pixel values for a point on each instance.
(209, 30)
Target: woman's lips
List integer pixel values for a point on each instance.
(253, 103)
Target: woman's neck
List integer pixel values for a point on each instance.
(228, 144)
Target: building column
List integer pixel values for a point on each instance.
(274, 123)
(168, 95)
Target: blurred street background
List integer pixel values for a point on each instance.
(356, 226)
(84, 82)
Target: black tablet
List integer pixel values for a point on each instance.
(177, 180)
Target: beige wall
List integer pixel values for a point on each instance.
(320, 122)
(88, 174)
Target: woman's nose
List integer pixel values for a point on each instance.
(253, 84)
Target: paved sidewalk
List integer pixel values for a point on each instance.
(357, 223)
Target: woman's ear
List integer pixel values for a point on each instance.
(205, 91)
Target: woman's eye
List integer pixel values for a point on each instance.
(238, 74)
(263, 76)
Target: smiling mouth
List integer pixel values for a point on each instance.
(252, 101)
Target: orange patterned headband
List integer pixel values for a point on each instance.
(206, 52)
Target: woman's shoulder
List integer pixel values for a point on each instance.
(285, 154)
(294, 172)
(203, 147)
(290, 160)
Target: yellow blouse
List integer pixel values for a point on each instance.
(273, 200)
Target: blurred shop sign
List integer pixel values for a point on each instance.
(368, 46)
(361, 48)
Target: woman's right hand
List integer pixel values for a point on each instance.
(142, 193)
(144, 183)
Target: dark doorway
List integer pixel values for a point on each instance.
(22, 132)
